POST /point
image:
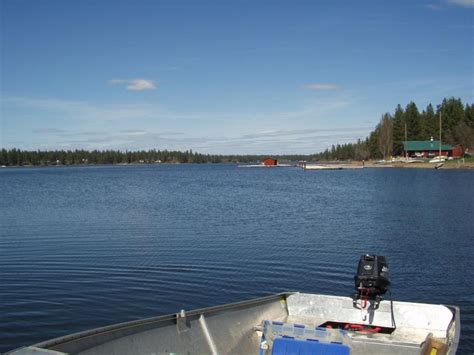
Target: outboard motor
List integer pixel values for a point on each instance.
(371, 280)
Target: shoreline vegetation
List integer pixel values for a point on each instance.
(383, 143)
(462, 163)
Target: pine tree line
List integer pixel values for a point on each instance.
(388, 136)
(17, 157)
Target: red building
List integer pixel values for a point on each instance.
(270, 162)
(457, 151)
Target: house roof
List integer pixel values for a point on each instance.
(425, 146)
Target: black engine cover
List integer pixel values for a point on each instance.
(372, 276)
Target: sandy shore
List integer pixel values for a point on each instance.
(451, 164)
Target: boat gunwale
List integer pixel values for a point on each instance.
(65, 339)
(456, 323)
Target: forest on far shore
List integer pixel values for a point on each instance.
(384, 141)
(387, 138)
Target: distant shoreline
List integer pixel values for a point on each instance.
(452, 164)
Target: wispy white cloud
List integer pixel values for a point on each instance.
(87, 125)
(310, 132)
(281, 142)
(83, 111)
(135, 84)
(464, 3)
(434, 7)
(170, 68)
(50, 130)
(322, 86)
(45, 103)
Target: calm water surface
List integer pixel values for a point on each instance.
(84, 247)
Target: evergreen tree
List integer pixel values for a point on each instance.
(412, 118)
(398, 130)
(430, 123)
(452, 111)
(372, 144)
(469, 115)
(3, 157)
(385, 135)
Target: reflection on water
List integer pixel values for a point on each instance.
(86, 247)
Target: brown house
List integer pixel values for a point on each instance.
(431, 148)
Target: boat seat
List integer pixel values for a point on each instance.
(289, 346)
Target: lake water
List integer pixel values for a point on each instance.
(82, 247)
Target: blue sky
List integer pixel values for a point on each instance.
(244, 77)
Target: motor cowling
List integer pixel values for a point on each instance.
(371, 280)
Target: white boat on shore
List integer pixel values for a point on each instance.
(286, 323)
(438, 159)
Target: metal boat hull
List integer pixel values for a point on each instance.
(237, 328)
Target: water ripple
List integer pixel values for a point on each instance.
(108, 244)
